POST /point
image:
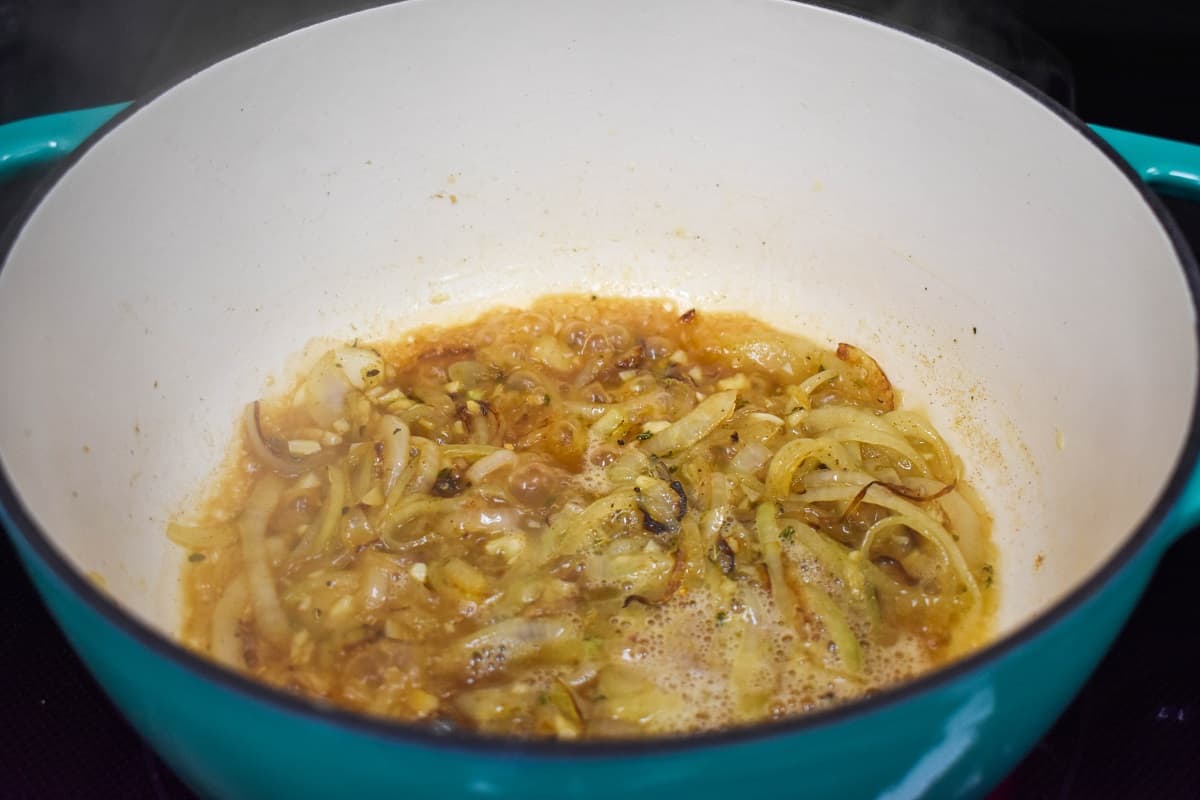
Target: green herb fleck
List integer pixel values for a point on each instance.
(196, 558)
(545, 399)
(722, 618)
(644, 435)
(989, 574)
(788, 533)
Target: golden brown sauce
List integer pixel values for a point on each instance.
(592, 518)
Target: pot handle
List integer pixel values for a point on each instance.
(40, 140)
(1184, 516)
(1169, 166)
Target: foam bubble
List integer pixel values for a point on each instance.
(686, 654)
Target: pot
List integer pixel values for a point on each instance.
(424, 161)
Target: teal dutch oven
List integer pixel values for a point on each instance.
(419, 162)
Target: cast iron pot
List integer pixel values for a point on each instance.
(423, 161)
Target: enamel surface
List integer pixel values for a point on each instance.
(421, 162)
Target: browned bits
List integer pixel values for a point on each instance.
(632, 358)
(448, 483)
(722, 556)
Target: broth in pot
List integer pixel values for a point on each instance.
(591, 518)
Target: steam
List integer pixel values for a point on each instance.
(986, 30)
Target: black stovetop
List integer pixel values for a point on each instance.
(1133, 731)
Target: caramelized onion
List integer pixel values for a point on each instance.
(535, 523)
(899, 489)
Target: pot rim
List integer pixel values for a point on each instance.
(21, 524)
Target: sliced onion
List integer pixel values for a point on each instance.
(826, 418)
(905, 491)
(877, 438)
(324, 391)
(791, 456)
(363, 368)
(554, 355)
(713, 522)
(429, 460)
(481, 429)
(766, 520)
(914, 427)
(276, 460)
(627, 467)
(376, 584)
(833, 619)
(409, 508)
(753, 678)
(588, 411)
(467, 451)
(965, 523)
(224, 643)
(489, 464)
(395, 435)
(693, 426)
(914, 517)
(813, 382)
(570, 533)
(202, 537)
(822, 478)
(481, 518)
(321, 533)
(470, 373)
(356, 529)
(268, 614)
(750, 459)
(520, 638)
(608, 424)
(722, 490)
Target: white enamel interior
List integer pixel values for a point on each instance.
(832, 176)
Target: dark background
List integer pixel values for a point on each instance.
(1132, 732)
